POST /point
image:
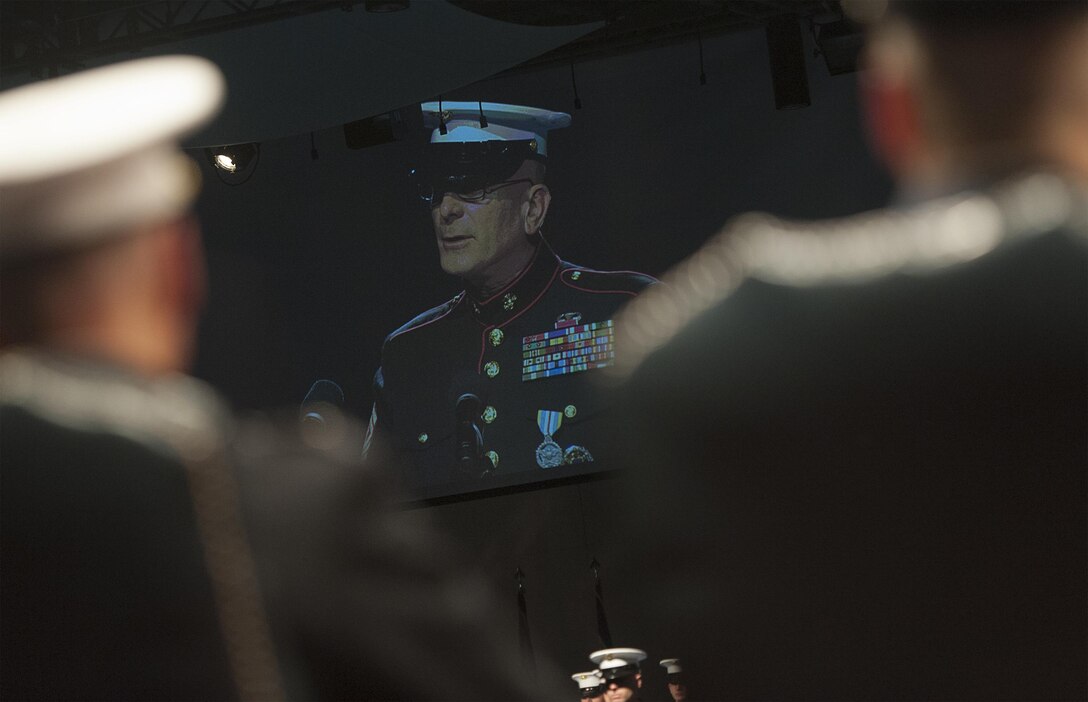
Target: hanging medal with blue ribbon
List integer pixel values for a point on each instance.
(549, 454)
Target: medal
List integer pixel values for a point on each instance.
(549, 454)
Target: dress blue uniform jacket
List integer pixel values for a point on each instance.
(110, 520)
(880, 479)
(501, 349)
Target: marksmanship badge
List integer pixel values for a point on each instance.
(577, 454)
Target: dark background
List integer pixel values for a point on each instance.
(313, 262)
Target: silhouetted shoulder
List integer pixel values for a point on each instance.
(930, 237)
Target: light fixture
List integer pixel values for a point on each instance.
(234, 163)
(372, 131)
(840, 43)
(789, 72)
(231, 158)
(225, 162)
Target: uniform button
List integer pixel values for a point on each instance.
(489, 414)
(423, 438)
(576, 275)
(491, 368)
(569, 411)
(508, 301)
(495, 337)
(493, 456)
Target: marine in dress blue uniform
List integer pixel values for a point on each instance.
(154, 546)
(621, 672)
(590, 685)
(527, 348)
(880, 490)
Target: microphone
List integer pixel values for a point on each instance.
(324, 398)
(468, 407)
(469, 438)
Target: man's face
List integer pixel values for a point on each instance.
(679, 691)
(622, 689)
(483, 242)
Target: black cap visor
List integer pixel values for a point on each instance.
(625, 671)
(461, 167)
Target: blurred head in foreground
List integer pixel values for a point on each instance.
(955, 91)
(878, 421)
(100, 255)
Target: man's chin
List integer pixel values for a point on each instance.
(455, 265)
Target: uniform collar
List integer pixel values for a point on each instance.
(92, 394)
(521, 294)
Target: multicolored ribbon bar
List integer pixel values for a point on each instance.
(570, 350)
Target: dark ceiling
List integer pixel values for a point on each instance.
(298, 66)
(638, 24)
(46, 37)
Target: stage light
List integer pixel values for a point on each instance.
(789, 72)
(224, 161)
(840, 44)
(231, 158)
(372, 131)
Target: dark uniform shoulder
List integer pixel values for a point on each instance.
(423, 319)
(594, 281)
(925, 238)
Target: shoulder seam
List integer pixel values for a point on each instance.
(649, 278)
(408, 326)
(582, 269)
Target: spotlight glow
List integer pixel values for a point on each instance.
(226, 163)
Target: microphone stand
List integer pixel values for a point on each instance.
(471, 463)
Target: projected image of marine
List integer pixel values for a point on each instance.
(495, 380)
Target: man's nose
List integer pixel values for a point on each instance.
(449, 208)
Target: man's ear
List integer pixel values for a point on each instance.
(638, 679)
(893, 123)
(890, 101)
(535, 208)
(183, 282)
